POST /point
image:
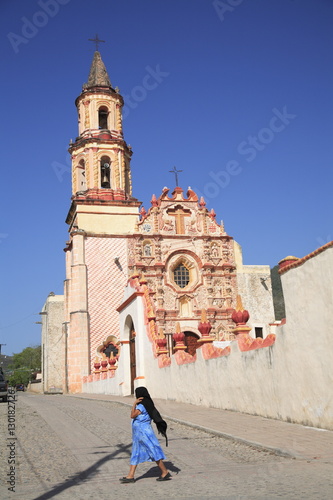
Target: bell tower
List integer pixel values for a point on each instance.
(102, 217)
(101, 171)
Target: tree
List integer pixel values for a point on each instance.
(24, 364)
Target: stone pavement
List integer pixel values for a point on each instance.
(283, 438)
(77, 447)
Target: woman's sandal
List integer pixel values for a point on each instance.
(165, 478)
(127, 480)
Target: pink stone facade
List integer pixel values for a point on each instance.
(106, 283)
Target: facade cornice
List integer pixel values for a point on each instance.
(99, 90)
(96, 141)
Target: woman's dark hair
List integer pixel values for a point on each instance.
(148, 403)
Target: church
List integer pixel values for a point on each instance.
(147, 291)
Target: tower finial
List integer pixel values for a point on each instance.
(96, 40)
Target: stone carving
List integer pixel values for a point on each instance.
(147, 250)
(191, 226)
(168, 225)
(86, 114)
(215, 251)
(118, 118)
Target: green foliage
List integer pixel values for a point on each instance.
(24, 364)
(19, 377)
(30, 358)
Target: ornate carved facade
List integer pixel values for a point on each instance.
(188, 261)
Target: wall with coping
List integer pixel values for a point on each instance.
(291, 380)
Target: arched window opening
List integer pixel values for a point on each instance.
(103, 113)
(105, 172)
(82, 184)
(181, 276)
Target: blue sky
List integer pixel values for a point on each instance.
(242, 104)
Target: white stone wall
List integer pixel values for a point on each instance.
(291, 380)
(255, 287)
(53, 345)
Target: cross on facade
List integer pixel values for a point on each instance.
(176, 172)
(96, 40)
(179, 213)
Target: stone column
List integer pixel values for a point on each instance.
(78, 336)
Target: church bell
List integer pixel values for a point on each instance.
(105, 176)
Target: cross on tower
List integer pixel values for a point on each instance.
(176, 172)
(96, 40)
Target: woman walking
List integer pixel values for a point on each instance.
(145, 446)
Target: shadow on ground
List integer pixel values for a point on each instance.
(155, 471)
(85, 475)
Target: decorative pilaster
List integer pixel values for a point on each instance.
(118, 119)
(161, 342)
(240, 316)
(86, 114)
(179, 338)
(204, 328)
(208, 350)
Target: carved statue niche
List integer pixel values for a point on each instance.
(185, 306)
(147, 252)
(215, 250)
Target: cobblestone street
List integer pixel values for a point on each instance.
(69, 447)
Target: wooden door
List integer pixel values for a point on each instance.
(191, 342)
(132, 358)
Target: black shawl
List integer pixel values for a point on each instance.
(148, 403)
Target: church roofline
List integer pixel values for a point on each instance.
(293, 262)
(177, 195)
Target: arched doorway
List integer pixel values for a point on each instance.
(191, 342)
(132, 356)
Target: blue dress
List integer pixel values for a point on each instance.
(145, 447)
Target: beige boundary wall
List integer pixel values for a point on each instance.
(53, 346)
(291, 380)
